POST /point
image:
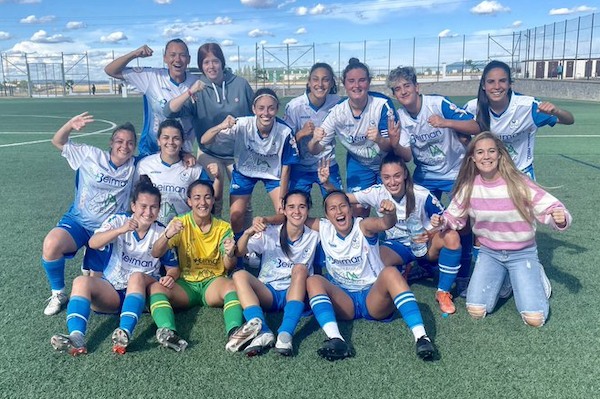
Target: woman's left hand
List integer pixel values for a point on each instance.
(167, 281)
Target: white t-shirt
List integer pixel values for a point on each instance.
(131, 254)
(101, 188)
(276, 266)
(299, 111)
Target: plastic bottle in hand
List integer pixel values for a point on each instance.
(415, 228)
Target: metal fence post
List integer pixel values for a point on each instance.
(576, 49)
(29, 88)
(438, 59)
(462, 72)
(389, 56)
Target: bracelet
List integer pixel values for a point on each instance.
(189, 92)
(168, 238)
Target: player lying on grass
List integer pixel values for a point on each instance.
(409, 198)
(206, 251)
(102, 188)
(288, 251)
(130, 270)
(503, 204)
(359, 286)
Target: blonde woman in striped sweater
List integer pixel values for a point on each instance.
(504, 205)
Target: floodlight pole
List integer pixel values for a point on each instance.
(29, 88)
(576, 49)
(591, 41)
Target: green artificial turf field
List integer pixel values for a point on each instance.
(496, 357)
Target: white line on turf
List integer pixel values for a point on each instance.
(562, 136)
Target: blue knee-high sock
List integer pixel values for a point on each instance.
(78, 313)
(325, 315)
(132, 309)
(466, 243)
(256, 311)
(291, 316)
(55, 270)
(407, 305)
(449, 263)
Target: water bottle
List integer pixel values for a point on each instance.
(415, 228)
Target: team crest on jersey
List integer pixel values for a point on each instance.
(355, 244)
(372, 123)
(257, 235)
(514, 124)
(137, 69)
(184, 176)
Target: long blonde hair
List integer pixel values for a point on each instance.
(518, 190)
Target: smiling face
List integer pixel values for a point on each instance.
(122, 145)
(169, 141)
(201, 201)
(393, 177)
(320, 83)
(357, 84)
(486, 156)
(145, 209)
(496, 85)
(177, 59)
(212, 68)
(296, 210)
(265, 108)
(407, 93)
(339, 213)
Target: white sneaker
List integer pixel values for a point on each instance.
(244, 334)
(259, 344)
(546, 282)
(55, 303)
(283, 346)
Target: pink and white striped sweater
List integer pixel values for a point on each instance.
(495, 219)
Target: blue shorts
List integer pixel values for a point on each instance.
(94, 259)
(303, 180)
(529, 172)
(279, 298)
(358, 176)
(359, 300)
(121, 294)
(243, 185)
(437, 187)
(402, 250)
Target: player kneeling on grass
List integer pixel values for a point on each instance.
(130, 270)
(359, 285)
(408, 199)
(503, 204)
(206, 252)
(288, 251)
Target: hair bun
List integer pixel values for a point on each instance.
(353, 61)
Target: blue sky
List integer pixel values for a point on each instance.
(100, 27)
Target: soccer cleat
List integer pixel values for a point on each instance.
(56, 302)
(243, 335)
(283, 346)
(462, 284)
(169, 339)
(334, 349)
(425, 348)
(120, 340)
(73, 344)
(259, 344)
(506, 288)
(546, 282)
(445, 300)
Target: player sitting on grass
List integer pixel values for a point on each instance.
(206, 251)
(288, 251)
(359, 285)
(503, 204)
(407, 197)
(130, 270)
(102, 188)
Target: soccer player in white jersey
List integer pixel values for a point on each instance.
(128, 238)
(159, 85)
(169, 174)
(264, 149)
(359, 286)
(429, 126)
(102, 188)
(513, 117)
(288, 251)
(361, 124)
(305, 113)
(410, 198)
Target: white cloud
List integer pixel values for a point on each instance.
(181, 29)
(301, 31)
(4, 35)
(251, 59)
(32, 19)
(301, 11)
(262, 42)
(75, 25)
(258, 3)
(235, 58)
(114, 37)
(163, 1)
(29, 1)
(41, 36)
(290, 41)
(569, 11)
(516, 24)
(227, 43)
(446, 33)
(489, 8)
(318, 10)
(258, 33)
(286, 3)
(189, 39)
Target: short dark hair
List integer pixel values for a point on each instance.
(208, 48)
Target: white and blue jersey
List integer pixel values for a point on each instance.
(172, 181)
(353, 262)
(299, 111)
(276, 266)
(101, 188)
(258, 157)
(352, 130)
(517, 126)
(437, 152)
(426, 205)
(158, 88)
(130, 253)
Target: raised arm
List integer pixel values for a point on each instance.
(314, 145)
(115, 68)
(564, 117)
(470, 127)
(76, 123)
(210, 135)
(394, 133)
(99, 240)
(175, 105)
(161, 245)
(375, 225)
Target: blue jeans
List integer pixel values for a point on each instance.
(525, 276)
